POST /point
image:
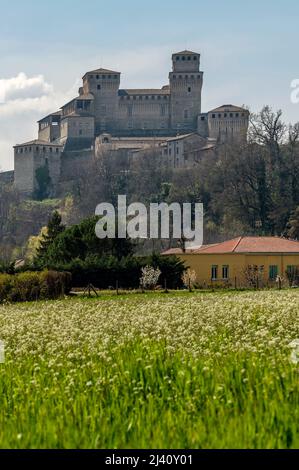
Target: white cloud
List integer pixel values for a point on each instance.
(24, 101)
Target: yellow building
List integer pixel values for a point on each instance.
(243, 261)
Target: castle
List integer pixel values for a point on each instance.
(127, 122)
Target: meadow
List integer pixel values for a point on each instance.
(190, 370)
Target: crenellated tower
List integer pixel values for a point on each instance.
(185, 82)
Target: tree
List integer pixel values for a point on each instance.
(54, 229)
(150, 277)
(293, 225)
(43, 180)
(79, 242)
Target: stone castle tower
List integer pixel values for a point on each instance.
(186, 82)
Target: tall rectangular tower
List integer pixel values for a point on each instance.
(104, 85)
(185, 82)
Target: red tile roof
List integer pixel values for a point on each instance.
(246, 245)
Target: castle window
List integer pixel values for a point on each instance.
(109, 77)
(174, 76)
(219, 115)
(186, 77)
(98, 76)
(189, 89)
(90, 76)
(159, 97)
(202, 118)
(189, 58)
(51, 150)
(146, 97)
(183, 58)
(57, 150)
(231, 115)
(165, 97)
(180, 77)
(30, 149)
(153, 97)
(195, 58)
(237, 114)
(134, 97)
(37, 149)
(115, 76)
(99, 87)
(186, 114)
(44, 149)
(80, 104)
(225, 115)
(213, 116)
(192, 76)
(177, 57)
(104, 76)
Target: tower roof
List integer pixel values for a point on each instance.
(185, 53)
(228, 108)
(102, 71)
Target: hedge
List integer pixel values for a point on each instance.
(29, 286)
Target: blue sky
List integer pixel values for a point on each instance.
(249, 52)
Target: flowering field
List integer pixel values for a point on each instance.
(162, 371)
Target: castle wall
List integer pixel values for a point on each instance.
(77, 127)
(143, 112)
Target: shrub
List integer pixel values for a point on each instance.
(29, 286)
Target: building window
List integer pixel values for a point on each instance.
(90, 76)
(104, 76)
(146, 97)
(189, 89)
(80, 132)
(99, 87)
(225, 115)
(115, 76)
(231, 115)
(202, 118)
(109, 77)
(183, 58)
(219, 115)
(273, 272)
(186, 114)
(214, 273)
(194, 58)
(177, 57)
(153, 97)
(237, 114)
(56, 150)
(98, 76)
(213, 116)
(225, 272)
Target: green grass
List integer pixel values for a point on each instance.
(154, 371)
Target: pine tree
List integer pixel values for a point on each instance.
(54, 228)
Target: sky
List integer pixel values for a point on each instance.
(249, 53)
